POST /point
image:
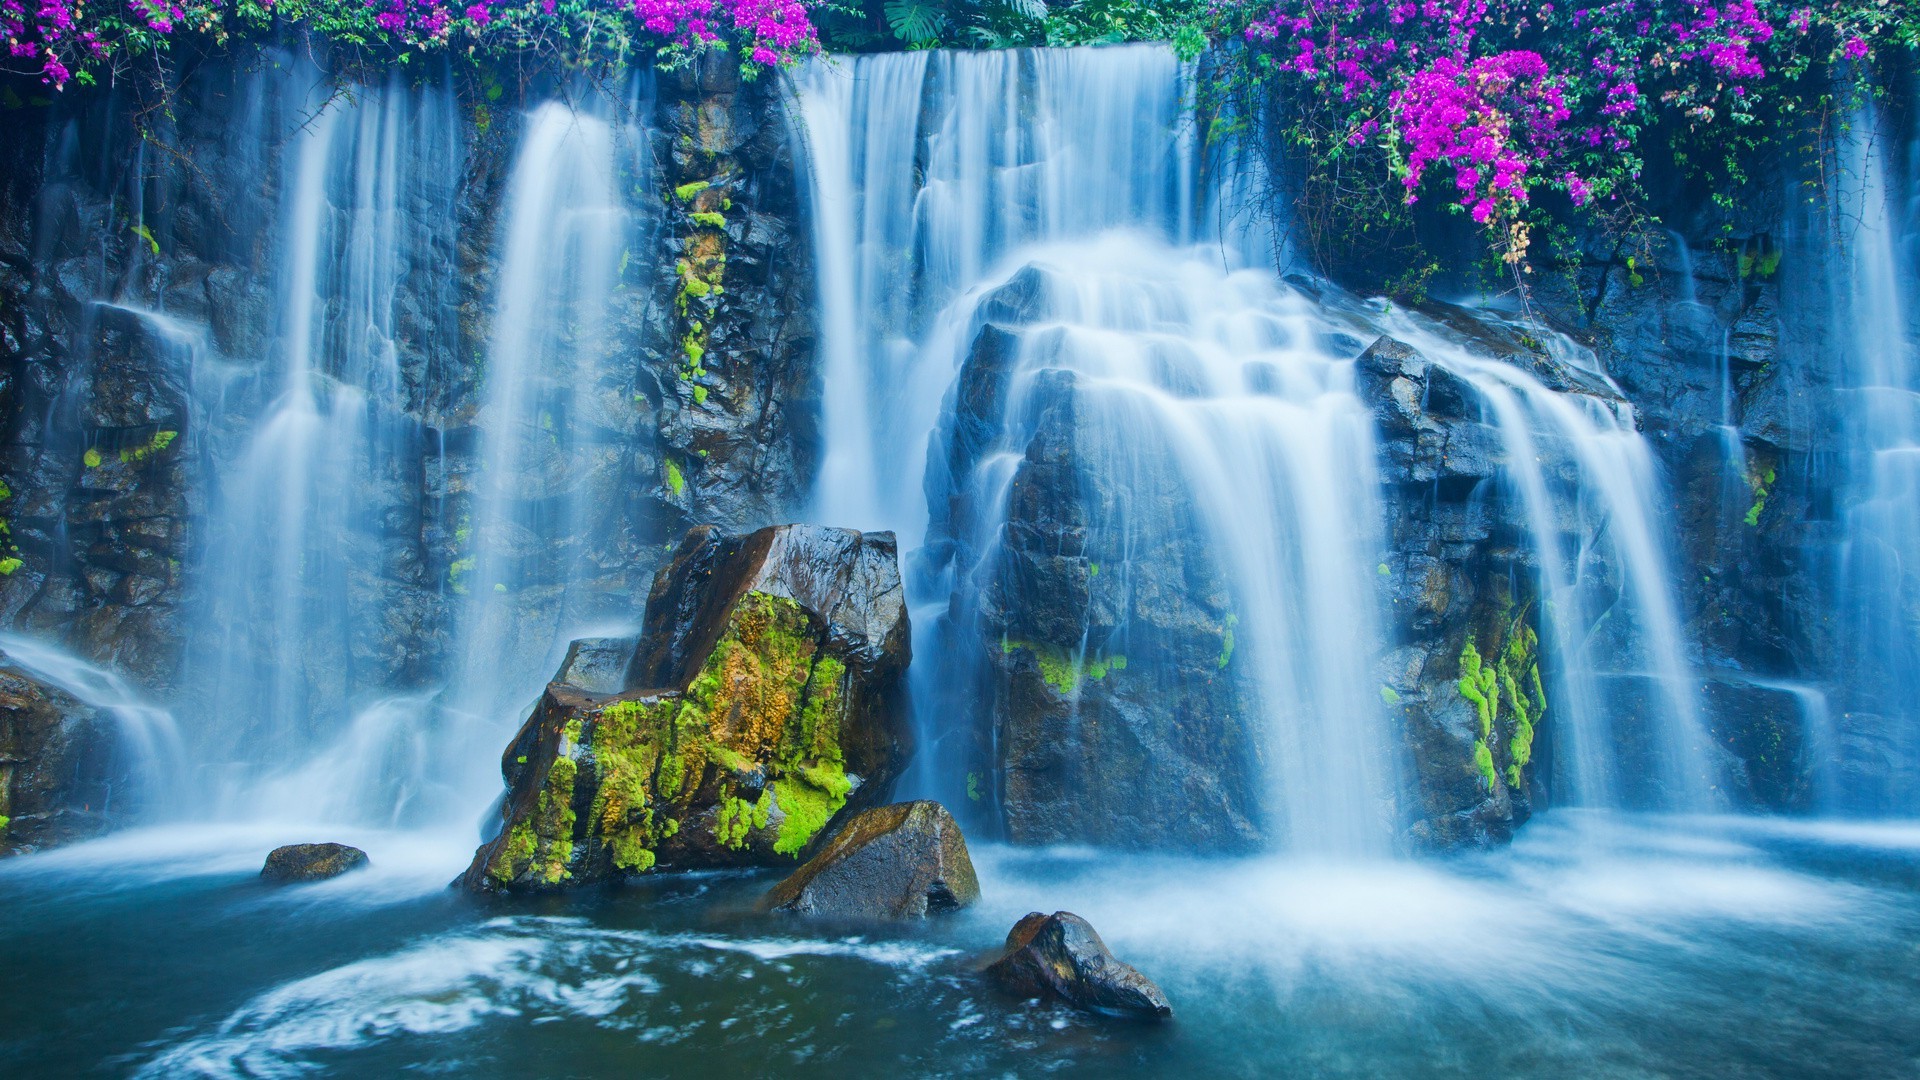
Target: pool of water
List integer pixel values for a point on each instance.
(1596, 947)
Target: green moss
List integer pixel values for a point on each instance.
(8, 565)
(1479, 684)
(1483, 761)
(1226, 640)
(766, 704)
(1062, 669)
(457, 572)
(1383, 570)
(160, 441)
(687, 191)
(732, 821)
(676, 482)
(92, 457)
(1512, 679)
(699, 395)
(1761, 481)
(515, 854)
(709, 219)
(808, 803)
(4, 822)
(1389, 695)
(973, 787)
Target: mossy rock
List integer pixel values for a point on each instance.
(763, 703)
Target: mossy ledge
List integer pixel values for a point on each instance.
(748, 764)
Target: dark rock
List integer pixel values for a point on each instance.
(58, 767)
(312, 862)
(597, 665)
(900, 861)
(764, 707)
(1091, 629)
(1060, 955)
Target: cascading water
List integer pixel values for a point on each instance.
(543, 474)
(290, 578)
(932, 176)
(916, 163)
(340, 677)
(1589, 486)
(1143, 497)
(1879, 571)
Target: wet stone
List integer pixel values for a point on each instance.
(1061, 956)
(907, 860)
(312, 862)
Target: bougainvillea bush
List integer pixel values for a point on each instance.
(1487, 103)
(63, 41)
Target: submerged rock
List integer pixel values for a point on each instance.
(761, 705)
(901, 861)
(1060, 955)
(312, 862)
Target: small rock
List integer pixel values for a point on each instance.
(1060, 955)
(312, 862)
(892, 862)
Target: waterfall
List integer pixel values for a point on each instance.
(962, 198)
(935, 178)
(564, 239)
(1879, 567)
(400, 536)
(289, 582)
(1588, 486)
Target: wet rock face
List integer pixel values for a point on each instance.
(110, 548)
(59, 769)
(1728, 321)
(311, 862)
(1091, 628)
(763, 706)
(902, 861)
(1462, 678)
(1061, 956)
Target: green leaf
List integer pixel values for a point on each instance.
(915, 22)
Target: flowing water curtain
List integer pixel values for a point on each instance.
(295, 592)
(926, 171)
(1627, 724)
(557, 422)
(1212, 429)
(1871, 222)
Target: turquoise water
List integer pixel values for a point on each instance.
(1611, 947)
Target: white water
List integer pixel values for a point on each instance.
(563, 234)
(1879, 573)
(303, 438)
(148, 732)
(936, 177)
(1588, 482)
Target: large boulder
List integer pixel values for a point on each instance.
(59, 770)
(311, 862)
(1091, 626)
(762, 706)
(1060, 956)
(891, 862)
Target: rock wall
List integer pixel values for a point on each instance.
(142, 266)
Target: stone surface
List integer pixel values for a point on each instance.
(1460, 597)
(763, 705)
(59, 769)
(1102, 712)
(900, 861)
(1060, 955)
(312, 862)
